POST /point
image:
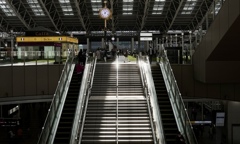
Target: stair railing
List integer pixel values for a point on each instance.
(180, 112)
(151, 96)
(54, 112)
(81, 110)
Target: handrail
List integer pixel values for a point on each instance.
(180, 112)
(84, 85)
(84, 96)
(151, 96)
(50, 125)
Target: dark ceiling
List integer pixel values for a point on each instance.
(142, 15)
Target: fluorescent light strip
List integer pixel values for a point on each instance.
(66, 7)
(128, 7)
(158, 7)
(96, 5)
(6, 9)
(36, 8)
(189, 6)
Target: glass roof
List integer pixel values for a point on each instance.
(127, 7)
(96, 5)
(36, 8)
(66, 7)
(158, 6)
(6, 9)
(217, 7)
(189, 6)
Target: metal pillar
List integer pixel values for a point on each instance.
(132, 44)
(176, 40)
(103, 42)
(171, 41)
(182, 44)
(118, 43)
(88, 45)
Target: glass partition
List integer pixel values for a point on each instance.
(180, 112)
(50, 125)
(22, 58)
(151, 97)
(84, 94)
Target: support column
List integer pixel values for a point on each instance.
(200, 33)
(146, 46)
(206, 22)
(176, 40)
(118, 43)
(88, 45)
(103, 43)
(190, 42)
(132, 44)
(182, 45)
(171, 41)
(156, 46)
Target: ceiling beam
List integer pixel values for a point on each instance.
(17, 13)
(76, 2)
(146, 7)
(205, 15)
(48, 14)
(112, 8)
(172, 12)
(4, 25)
(176, 13)
(85, 16)
(54, 15)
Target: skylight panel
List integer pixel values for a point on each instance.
(96, 6)
(6, 9)
(217, 7)
(66, 7)
(189, 6)
(158, 7)
(36, 8)
(127, 7)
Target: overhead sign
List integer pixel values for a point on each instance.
(145, 34)
(47, 39)
(145, 38)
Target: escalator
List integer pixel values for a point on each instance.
(168, 120)
(117, 109)
(65, 124)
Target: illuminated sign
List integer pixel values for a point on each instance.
(47, 39)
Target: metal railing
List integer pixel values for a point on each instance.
(22, 58)
(151, 96)
(50, 125)
(180, 112)
(82, 104)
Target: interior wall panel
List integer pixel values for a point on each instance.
(224, 20)
(233, 11)
(18, 81)
(42, 80)
(6, 81)
(30, 80)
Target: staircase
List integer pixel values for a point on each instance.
(117, 117)
(134, 123)
(65, 125)
(100, 121)
(168, 120)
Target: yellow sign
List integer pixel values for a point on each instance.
(47, 39)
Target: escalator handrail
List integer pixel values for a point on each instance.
(151, 96)
(84, 85)
(180, 113)
(83, 103)
(52, 119)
